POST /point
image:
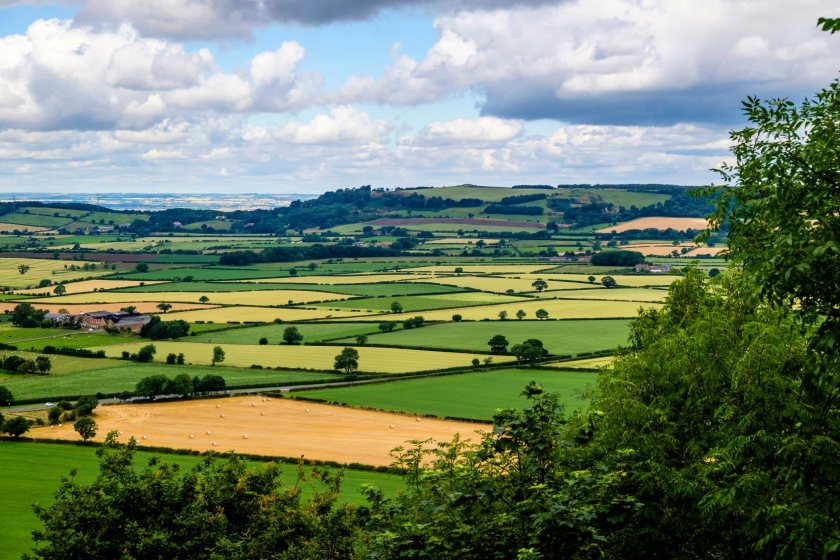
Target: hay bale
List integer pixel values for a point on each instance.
(221, 415)
(191, 436)
(391, 426)
(209, 432)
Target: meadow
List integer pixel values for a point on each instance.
(371, 360)
(253, 297)
(374, 289)
(32, 471)
(418, 303)
(54, 270)
(87, 376)
(469, 395)
(312, 332)
(559, 337)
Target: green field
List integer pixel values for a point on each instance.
(469, 395)
(559, 337)
(417, 303)
(374, 290)
(32, 471)
(75, 339)
(114, 376)
(312, 332)
(40, 220)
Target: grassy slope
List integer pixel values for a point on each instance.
(123, 376)
(471, 395)
(312, 332)
(31, 473)
(559, 337)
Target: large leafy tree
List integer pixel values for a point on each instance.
(219, 509)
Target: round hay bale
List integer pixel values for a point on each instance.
(391, 426)
(209, 432)
(221, 415)
(307, 411)
(191, 436)
(144, 437)
(262, 413)
(244, 436)
(218, 406)
(214, 443)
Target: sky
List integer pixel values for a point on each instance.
(234, 96)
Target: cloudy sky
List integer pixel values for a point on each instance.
(305, 96)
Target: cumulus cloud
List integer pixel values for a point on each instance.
(63, 76)
(343, 124)
(484, 130)
(615, 61)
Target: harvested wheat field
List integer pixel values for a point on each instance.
(655, 222)
(89, 286)
(277, 427)
(75, 309)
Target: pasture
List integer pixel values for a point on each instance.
(72, 376)
(557, 308)
(32, 471)
(246, 314)
(501, 284)
(559, 337)
(253, 297)
(312, 332)
(419, 303)
(54, 270)
(85, 286)
(268, 426)
(371, 360)
(469, 395)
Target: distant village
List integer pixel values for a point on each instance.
(122, 321)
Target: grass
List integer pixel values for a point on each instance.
(32, 472)
(559, 337)
(312, 332)
(470, 395)
(373, 289)
(39, 220)
(76, 339)
(91, 376)
(253, 297)
(557, 308)
(379, 360)
(415, 303)
(501, 284)
(42, 269)
(244, 314)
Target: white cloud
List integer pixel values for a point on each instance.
(481, 130)
(343, 124)
(62, 76)
(615, 61)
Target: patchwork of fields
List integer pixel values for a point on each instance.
(419, 323)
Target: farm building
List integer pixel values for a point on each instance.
(654, 268)
(122, 320)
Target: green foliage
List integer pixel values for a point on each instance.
(15, 426)
(84, 405)
(6, 397)
(218, 355)
(347, 361)
(529, 351)
(780, 199)
(157, 329)
(146, 353)
(617, 258)
(609, 282)
(24, 315)
(152, 386)
(291, 335)
(218, 509)
(86, 427)
(498, 344)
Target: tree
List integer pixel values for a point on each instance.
(54, 415)
(617, 258)
(211, 510)
(164, 306)
(181, 384)
(157, 329)
(520, 314)
(26, 316)
(539, 284)
(347, 361)
(529, 351)
(208, 383)
(609, 282)
(141, 267)
(146, 353)
(396, 307)
(361, 339)
(503, 315)
(171, 358)
(203, 299)
(387, 326)
(784, 229)
(59, 289)
(263, 341)
(291, 335)
(151, 386)
(293, 272)
(498, 344)
(23, 268)
(44, 364)
(591, 279)
(16, 426)
(84, 405)
(218, 355)
(86, 427)
(541, 314)
(457, 317)
(6, 397)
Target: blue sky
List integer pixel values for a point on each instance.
(288, 96)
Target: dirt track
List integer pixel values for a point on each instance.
(278, 427)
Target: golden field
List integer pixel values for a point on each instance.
(254, 298)
(244, 314)
(661, 223)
